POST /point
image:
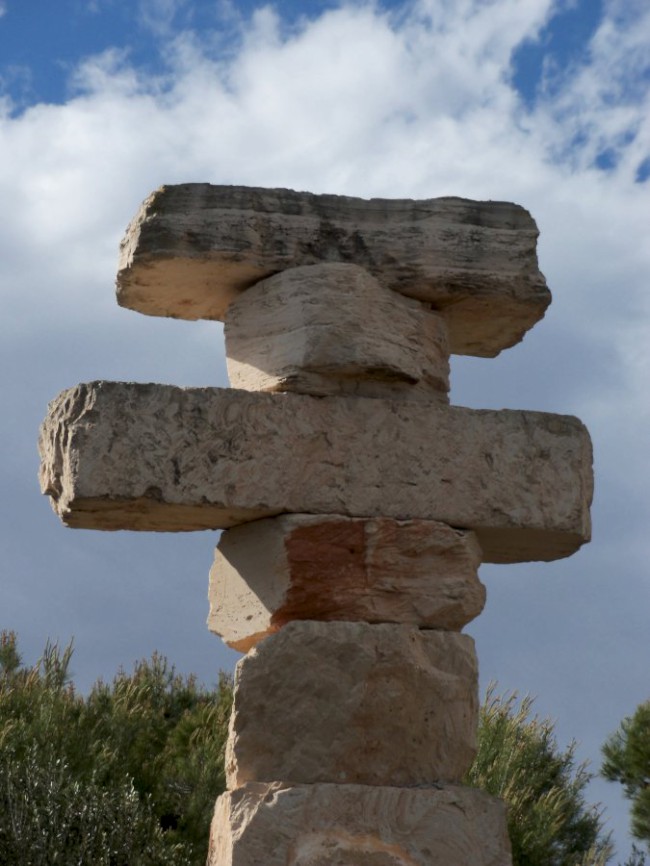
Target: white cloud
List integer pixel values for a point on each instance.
(604, 104)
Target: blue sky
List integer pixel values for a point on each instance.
(42, 42)
(544, 103)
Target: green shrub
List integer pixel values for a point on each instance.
(549, 822)
(127, 776)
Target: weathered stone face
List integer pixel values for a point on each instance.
(304, 566)
(193, 248)
(333, 329)
(353, 825)
(354, 703)
(156, 457)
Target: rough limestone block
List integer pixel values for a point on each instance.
(156, 457)
(191, 249)
(305, 566)
(333, 329)
(349, 702)
(353, 825)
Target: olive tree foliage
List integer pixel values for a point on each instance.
(518, 760)
(51, 817)
(126, 775)
(626, 755)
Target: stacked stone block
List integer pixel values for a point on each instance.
(357, 504)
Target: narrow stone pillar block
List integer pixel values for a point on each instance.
(352, 825)
(333, 329)
(355, 703)
(306, 566)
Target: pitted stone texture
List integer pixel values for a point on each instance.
(192, 248)
(156, 457)
(354, 703)
(333, 329)
(353, 825)
(304, 566)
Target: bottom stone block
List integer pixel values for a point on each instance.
(353, 825)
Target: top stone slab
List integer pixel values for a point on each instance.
(192, 248)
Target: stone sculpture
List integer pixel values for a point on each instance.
(357, 503)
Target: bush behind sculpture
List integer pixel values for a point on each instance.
(128, 774)
(518, 760)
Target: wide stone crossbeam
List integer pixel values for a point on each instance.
(193, 248)
(156, 457)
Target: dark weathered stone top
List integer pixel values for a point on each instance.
(192, 248)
